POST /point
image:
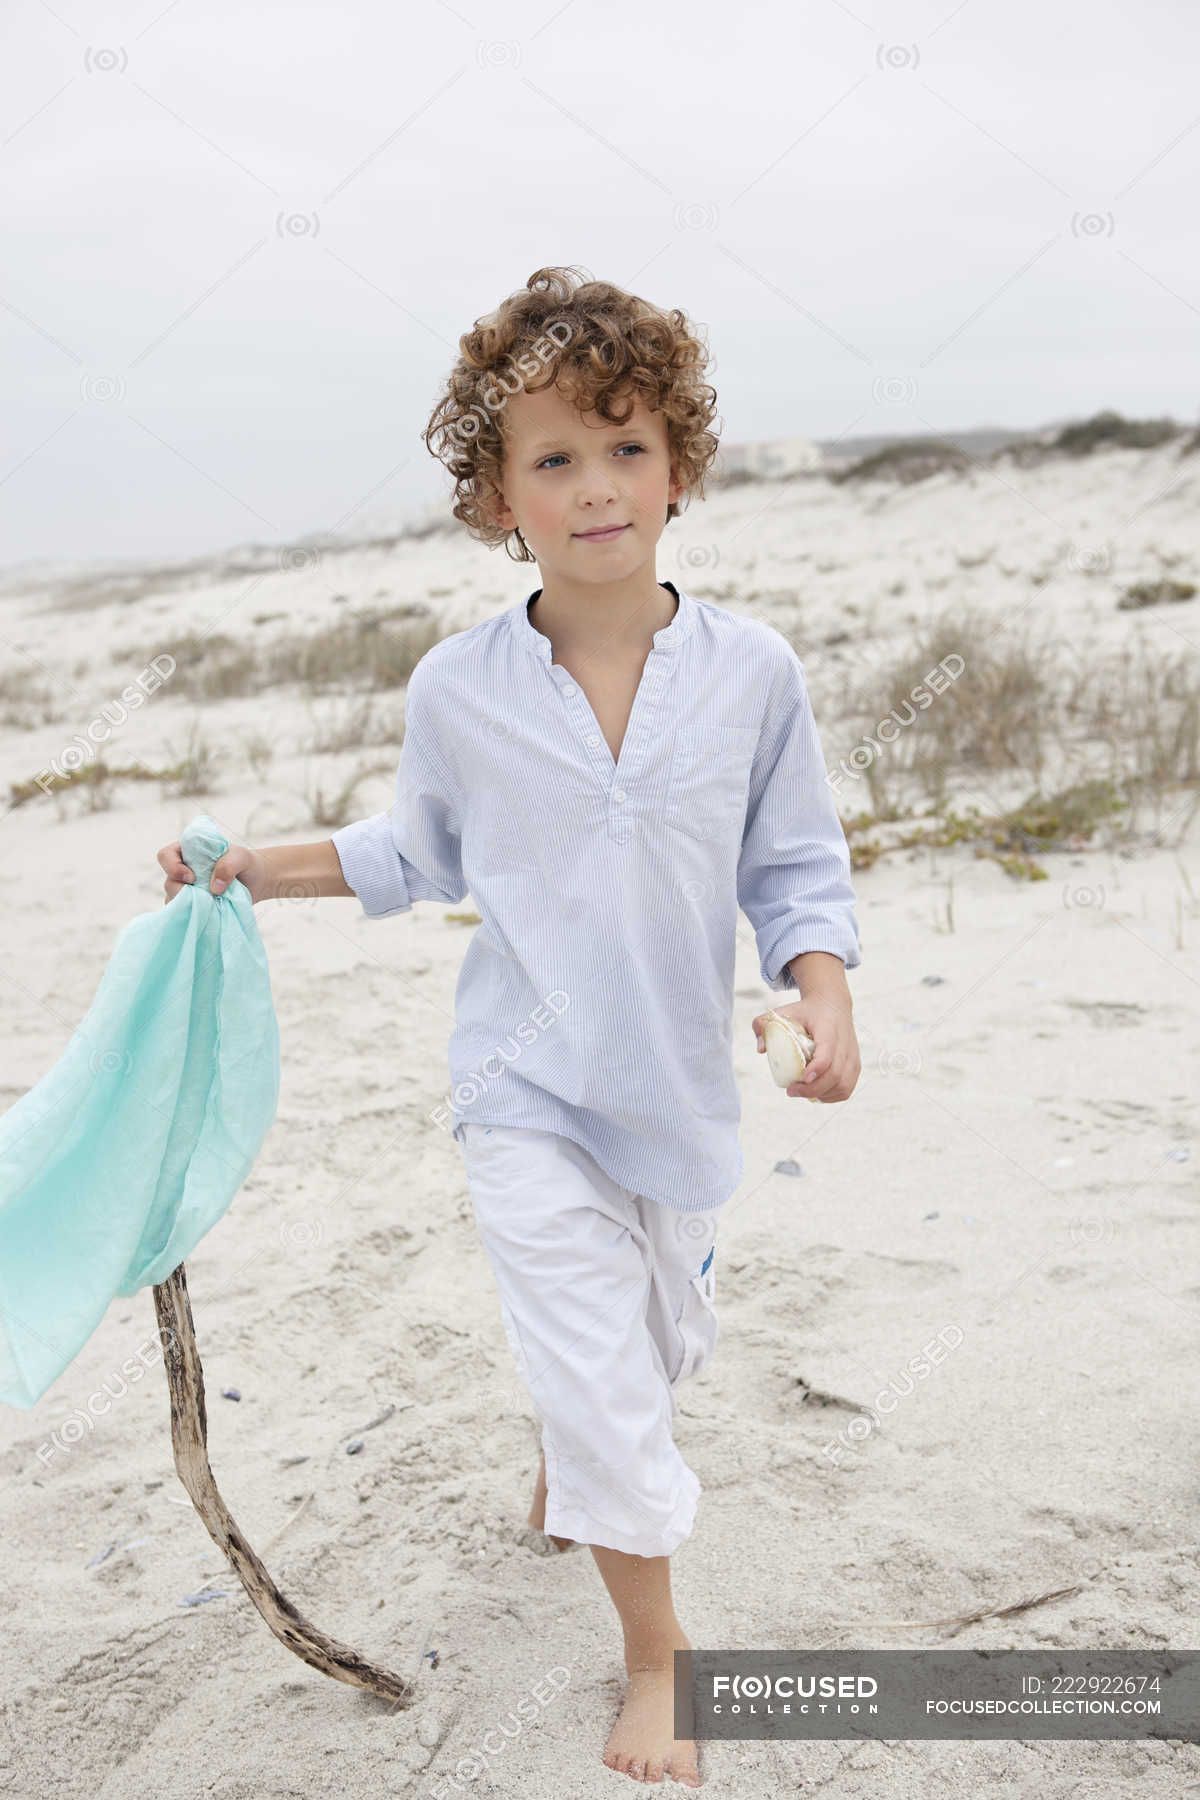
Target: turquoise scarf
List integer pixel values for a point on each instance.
(117, 1162)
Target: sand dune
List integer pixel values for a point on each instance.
(1017, 1169)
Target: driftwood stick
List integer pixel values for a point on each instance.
(189, 1438)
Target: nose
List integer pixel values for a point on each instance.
(597, 484)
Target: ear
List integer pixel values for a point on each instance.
(674, 488)
(503, 515)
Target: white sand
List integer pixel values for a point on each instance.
(1031, 1102)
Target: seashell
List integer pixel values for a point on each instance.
(788, 1048)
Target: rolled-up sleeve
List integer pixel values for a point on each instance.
(413, 852)
(794, 871)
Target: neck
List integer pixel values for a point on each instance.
(591, 619)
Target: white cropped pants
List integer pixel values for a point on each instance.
(608, 1301)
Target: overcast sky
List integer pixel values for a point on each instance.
(240, 241)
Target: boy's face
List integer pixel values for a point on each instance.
(566, 474)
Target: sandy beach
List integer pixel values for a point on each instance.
(1017, 1171)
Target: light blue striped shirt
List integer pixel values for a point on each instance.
(595, 999)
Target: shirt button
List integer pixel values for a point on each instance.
(618, 794)
(593, 740)
(568, 690)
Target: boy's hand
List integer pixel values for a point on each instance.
(248, 866)
(835, 1065)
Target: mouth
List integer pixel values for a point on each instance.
(602, 535)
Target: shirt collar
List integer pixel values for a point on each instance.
(669, 638)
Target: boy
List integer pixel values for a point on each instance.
(609, 767)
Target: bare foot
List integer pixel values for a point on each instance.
(537, 1512)
(641, 1744)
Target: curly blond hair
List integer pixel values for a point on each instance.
(603, 346)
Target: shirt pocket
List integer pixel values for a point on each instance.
(710, 778)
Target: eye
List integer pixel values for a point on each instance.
(557, 455)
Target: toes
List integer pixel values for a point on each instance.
(654, 1771)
